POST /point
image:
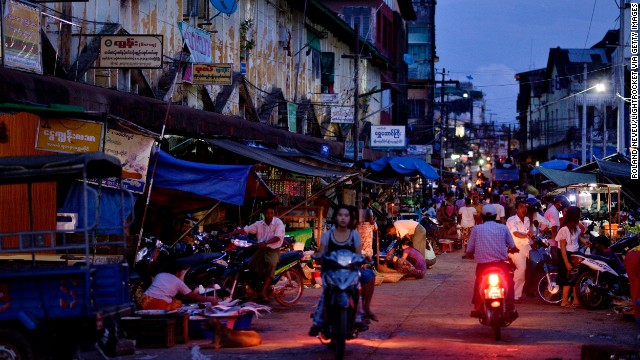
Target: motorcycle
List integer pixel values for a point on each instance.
(599, 281)
(494, 288)
(543, 272)
(341, 282)
(241, 282)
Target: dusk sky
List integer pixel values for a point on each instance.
(492, 40)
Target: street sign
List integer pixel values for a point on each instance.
(342, 114)
(348, 149)
(388, 137)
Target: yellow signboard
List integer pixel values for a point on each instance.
(69, 136)
(211, 74)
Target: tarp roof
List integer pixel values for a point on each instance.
(46, 168)
(610, 168)
(564, 178)
(407, 166)
(264, 156)
(226, 183)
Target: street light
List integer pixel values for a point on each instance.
(599, 87)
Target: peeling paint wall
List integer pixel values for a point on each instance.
(277, 31)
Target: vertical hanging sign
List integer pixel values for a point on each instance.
(21, 43)
(292, 111)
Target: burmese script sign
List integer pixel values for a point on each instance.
(388, 137)
(198, 41)
(69, 136)
(131, 51)
(22, 37)
(342, 114)
(211, 74)
(133, 151)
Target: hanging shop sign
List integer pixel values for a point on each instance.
(292, 114)
(69, 135)
(388, 137)
(134, 152)
(21, 46)
(198, 41)
(342, 114)
(348, 149)
(130, 51)
(328, 98)
(209, 74)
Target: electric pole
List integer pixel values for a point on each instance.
(356, 92)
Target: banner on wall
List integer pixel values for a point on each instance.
(198, 41)
(388, 137)
(69, 135)
(21, 47)
(134, 152)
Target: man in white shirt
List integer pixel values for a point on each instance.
(553, 216)
(519, 225)
(270, 235)
(413, 231)
(467, 221)
(495, 200)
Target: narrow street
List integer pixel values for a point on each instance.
(429, 319)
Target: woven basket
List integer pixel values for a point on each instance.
(392, 278)
(379, 279)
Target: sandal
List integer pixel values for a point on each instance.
(566, 305)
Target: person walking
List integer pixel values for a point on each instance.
(632, 264)
(489, 244)
(366, 224)
(519, 227)
(467, 221)
(495, 200)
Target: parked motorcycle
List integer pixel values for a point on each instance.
(494, 288)
(543, 271)
(241, 282)
(341, 282)
(599, 280)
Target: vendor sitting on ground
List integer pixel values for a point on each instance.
(166, 286)
(410, 230)
(411, 263)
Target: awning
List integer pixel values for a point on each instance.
(564, 178)
(554, 164)
(609, 168)
(226, 183)
(406, 166)
(263, 156)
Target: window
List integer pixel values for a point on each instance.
(419, 53)
(327, 67)
(417, 109)
(360, 15)
(315, 64)
(196, 8)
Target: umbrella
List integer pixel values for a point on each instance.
(556, 164)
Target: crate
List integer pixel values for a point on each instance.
(150, 332)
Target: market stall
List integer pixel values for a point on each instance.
(601, 201)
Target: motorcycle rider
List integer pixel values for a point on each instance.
(520, 229)
(488, 245)
(270, 235)
(340, 237)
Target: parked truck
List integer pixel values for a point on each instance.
(55, 296)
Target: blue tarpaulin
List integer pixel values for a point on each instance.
(408, 166)
(226, 183)
(556, 165)
(110, 221)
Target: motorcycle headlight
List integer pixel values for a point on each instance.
(141, 254)
(494, 280)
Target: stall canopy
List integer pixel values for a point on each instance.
(264, 156)
(554, 164)
(405, 166)
(188, 185)
(565, 178)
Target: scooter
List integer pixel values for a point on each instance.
(241, 282)
(494, 288)
(543, 272)
(599, 281)
(341, 282)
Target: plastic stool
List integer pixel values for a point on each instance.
(446, 245)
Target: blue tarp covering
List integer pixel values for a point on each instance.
(408, 166)
(556, 165)
(110, 220)
(226, 183)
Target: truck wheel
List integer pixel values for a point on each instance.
(14, 346)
